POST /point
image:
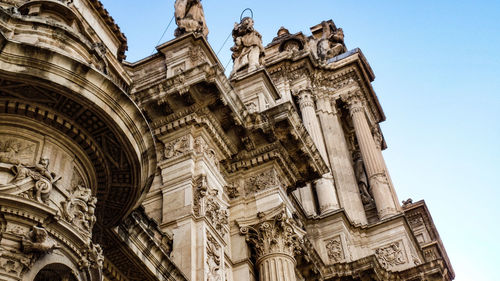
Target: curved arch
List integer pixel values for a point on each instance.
(57, 262)
(105, 112)
(285, 42)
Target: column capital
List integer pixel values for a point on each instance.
(305, 98)
(275, 236)
(354, 101)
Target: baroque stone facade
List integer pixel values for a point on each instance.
(166, 169)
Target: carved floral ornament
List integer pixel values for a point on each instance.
(276, 235)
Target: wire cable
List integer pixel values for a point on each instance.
(165, 31)
(223, 44)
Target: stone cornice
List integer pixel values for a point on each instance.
(419, 209)
(196, 115)
(333, 77)
(150, 246)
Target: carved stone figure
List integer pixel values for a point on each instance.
(247, 50)
(232, 190)
(40, 173)
(189, 17)
(38, 241)
(407, 202)
(331, 43)
(362, 179)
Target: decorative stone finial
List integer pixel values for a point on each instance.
(248, 51)
(189, 17)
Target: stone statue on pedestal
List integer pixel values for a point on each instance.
(331, 43)
(189, 17)
(247, 50)
(362, 179)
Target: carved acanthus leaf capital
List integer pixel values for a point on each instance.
(276, 235)
(354, 100)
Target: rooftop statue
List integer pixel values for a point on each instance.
(331, 43)
(247, 50)
(189, 17)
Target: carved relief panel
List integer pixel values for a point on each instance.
(207, 203)
(334, 249)
(391, 255)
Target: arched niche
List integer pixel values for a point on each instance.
(55, 272)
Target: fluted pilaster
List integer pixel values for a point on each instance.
(339, 158)
(325, 189)
(374, 164)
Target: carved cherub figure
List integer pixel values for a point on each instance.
(189, 17)
(247, 50)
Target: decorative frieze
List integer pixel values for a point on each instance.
(261, 181)
(177, 147)
(16, 151)
(334, 249)
(391, 255)
(39, 173)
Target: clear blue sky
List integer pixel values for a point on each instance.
(437, 66)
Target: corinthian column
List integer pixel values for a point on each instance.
(327, 196)
(374, 163)
(340, 160)
(275, 242)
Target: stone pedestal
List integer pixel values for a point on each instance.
(325, 189)
(375, 167)
(339, 158)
